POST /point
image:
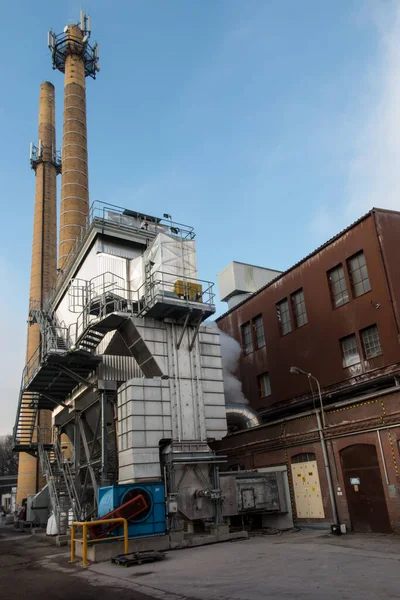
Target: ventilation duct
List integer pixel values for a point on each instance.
(241, 416)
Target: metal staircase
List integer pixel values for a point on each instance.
(60, 480)
(54, 335)
(104, 312)
(26, 420)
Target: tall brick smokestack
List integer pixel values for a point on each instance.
(74, 56)
(44, 253)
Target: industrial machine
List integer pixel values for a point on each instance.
(250, 492)
(146, 518)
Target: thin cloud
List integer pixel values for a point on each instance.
(374, 173)
(371, 139)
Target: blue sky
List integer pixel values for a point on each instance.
(267, 125)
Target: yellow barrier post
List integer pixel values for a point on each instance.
(84, 541)
(84, 551)
(72, 543)
(126, 541)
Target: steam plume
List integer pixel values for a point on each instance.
(230, 352)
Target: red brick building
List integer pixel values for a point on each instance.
(335, 314)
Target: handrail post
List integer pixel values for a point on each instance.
(72, 543)
(126, 541)
(84, 551)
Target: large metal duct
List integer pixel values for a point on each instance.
(241, 416)
(44, 253)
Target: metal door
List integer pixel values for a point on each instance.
(364, 490)
(307, 490)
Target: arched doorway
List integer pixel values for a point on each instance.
(364, 490)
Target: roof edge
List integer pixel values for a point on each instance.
(308, 256)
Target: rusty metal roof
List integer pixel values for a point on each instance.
(324, 245)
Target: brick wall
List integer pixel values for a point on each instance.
(277, 444)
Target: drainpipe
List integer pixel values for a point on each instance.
(104, 480)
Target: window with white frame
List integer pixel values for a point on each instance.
(283, 314)
(351, 355)
(359, 274)
(338, 286)
(371, 342)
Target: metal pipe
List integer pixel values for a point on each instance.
(242, 415)
(330, 437)
(104, 479)
(327, 469)
(383, 456)
(298, 371)
(353, 401)
(77, 451)
(320, 398)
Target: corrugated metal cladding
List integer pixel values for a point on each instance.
(118, 368)
(111, 264)
(117, 249)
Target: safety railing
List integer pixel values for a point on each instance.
(78, 294)
(163, 287)
(85, 541)
(101, 213)
(31, 367)
(54, 339)
(54, 334)
(135, 220)
(107, 283)
(106, 293)
(44, 435)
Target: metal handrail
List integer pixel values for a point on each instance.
(65, 468)
(54, 339)
(100, 213)
(157, 285)
(48, 473)
(108, 291)
(20, 409)
(85, 541)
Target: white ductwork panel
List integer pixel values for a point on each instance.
(239, 280)
(187, 404)
(144, 418)
(136, 273)
(173, 255)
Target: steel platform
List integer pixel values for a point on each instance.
(51, 380)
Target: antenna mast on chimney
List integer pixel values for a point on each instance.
(74, 56)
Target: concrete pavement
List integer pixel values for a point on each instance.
(292, 566)
(304, 565)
